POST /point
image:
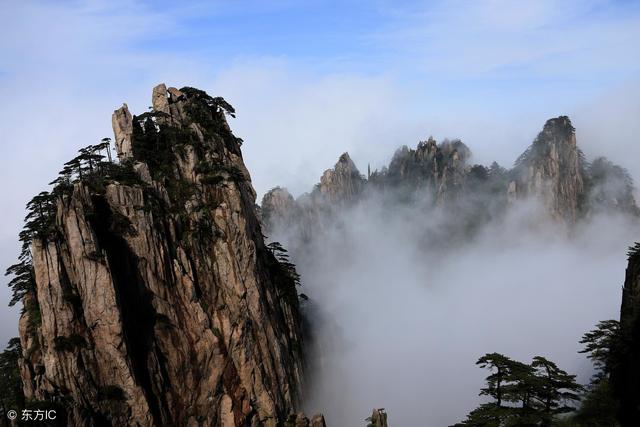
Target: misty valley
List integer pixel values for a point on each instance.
(431, 292)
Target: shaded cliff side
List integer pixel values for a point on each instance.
(155, 300)
(438, 168)
(626, 373)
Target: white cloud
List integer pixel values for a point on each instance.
(609, 126)
(296, 124)
(549, 38)
(401, 318)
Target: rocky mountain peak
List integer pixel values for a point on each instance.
(552, 169)
(278, 208)
(155, 299)
(560, 129)
(122, 123)
(438, 168)
(343, 182)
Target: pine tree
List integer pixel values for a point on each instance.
(553, 389)
(523, 395)
(603, 346)
(11, 395)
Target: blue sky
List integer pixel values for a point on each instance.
(311, 79)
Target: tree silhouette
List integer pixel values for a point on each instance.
(522, 394)
(604, 346)
(11, 395)
(88, 167)
(501, 370)
(553, 388)
(23, 280)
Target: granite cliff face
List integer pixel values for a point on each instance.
(156, 301)
(343, 183)
(440, 169)
(278, 209)
(339, 187)
(552, 169)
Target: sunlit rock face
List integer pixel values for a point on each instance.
(122, 123)
(158, 301)
(342, 183)
(552, 169)
(378, 418)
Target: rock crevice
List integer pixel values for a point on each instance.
(159, 302)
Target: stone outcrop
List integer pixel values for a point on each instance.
(441, 169)
(158, 302)
(160, 99)
(552, 170)
(339, 187)
(122, 123)
(300, 420)
(378, 418)
(278, 209)
(343, 183)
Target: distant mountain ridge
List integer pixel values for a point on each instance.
(553, 170)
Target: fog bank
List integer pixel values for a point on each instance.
(400, 318)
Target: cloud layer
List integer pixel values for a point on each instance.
(400, 319)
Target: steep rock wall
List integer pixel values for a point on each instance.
(159, 302)
(626, 374)
(552, 170)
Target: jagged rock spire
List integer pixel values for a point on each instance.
(122, 123)
(158, 302)
(278, 209)
(160, 98)
(378, 418)
(551, 169)
(343, 182)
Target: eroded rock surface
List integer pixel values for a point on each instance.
(158, 301)
(122, 123)
(342, 183)
(300, 420)
(553, 170)
(441, 169)
(378, 418)
(278, 209)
